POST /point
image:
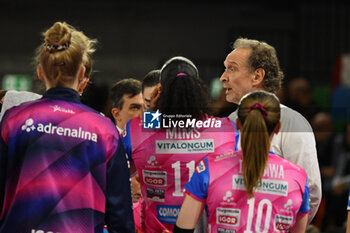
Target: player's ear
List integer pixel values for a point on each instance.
(115, 113)
(82, 85)
(258, 77)
(40, 73)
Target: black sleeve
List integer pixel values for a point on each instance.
(180, 230)
(119, 214)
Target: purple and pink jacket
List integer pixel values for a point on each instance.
(63, 169)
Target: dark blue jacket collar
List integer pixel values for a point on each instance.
(62, 93)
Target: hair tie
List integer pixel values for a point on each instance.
(181, 74)
(51, 48)
(260, 107)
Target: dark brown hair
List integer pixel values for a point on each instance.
(129, 86)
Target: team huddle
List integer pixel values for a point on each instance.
(65, 168)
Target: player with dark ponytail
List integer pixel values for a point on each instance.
(165, 158)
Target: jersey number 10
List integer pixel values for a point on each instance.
(251, 214)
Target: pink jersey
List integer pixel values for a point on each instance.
(136, 207)
(280, 197)
(165, 160)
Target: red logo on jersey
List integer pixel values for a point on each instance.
(225, 219)
(155, 181)
(282, 226)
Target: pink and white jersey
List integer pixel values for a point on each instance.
(165, 160)
(282, 194)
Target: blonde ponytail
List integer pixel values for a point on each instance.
(259, 114)
(255, 146)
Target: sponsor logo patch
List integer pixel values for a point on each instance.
(155, 178)
(168, 213)
(184, 146)
(224, 230)
(201, 167)
(270, 186)
(282, 223)
(228, 217)
(155, 194)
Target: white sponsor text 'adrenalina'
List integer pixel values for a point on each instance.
(75, 133)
